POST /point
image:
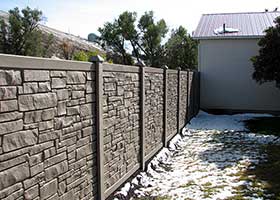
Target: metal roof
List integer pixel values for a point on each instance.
(249, 25)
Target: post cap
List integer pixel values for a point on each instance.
(97, 58)
(140, 63)
(164, 67)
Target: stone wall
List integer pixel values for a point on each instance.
(172, 95)
(48, 143)
(77, 130)
(121, 124)
(154, 91)
(183, 98)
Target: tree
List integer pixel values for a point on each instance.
(67, 49)
(267, 63)
(145, 39)
(151, 35)
(111, 36)
(20, 35)
(181, 50)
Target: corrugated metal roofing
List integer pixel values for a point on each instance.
(250, 25)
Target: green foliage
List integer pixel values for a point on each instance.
(80, 56)
(267, 63)
(21, 35)
(145, 40)
(151, 37)
(181, 50)
(85, 56)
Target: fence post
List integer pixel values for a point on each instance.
(178, 98)
(164, 137)
(99, 124)
(142, 115)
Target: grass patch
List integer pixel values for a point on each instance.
(264, 125)
(264, 178)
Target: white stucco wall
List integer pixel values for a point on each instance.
(226, 77)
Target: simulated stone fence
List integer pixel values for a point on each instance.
(78, 130)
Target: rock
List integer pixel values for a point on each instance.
(78, 94)
(9, 105)
(32, 116)
(58, 74)
(19, 140)
(74, 77)
(12, 126)
(26, 103)
(55, 170)
(90, 87)
(44, 87)
(48, 189)
(58, 83)
(62, 94)
(75, 110)
(10, 77)
(61, 108)
(86, 110)
(46, 125)
(8, 92)
(36, 75)
(9, 116)
(14, 175)
(48, 114)
(29, 88)
(46, 100)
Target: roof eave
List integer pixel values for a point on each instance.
(227, 37)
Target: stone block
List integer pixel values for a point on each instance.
(46, 125)
(32, 117)
(31, 87)
(8, 127)
(45, 100)
(55, 159)
(31, 193)
(58, 83)
(61, 108)
(86, 110)
(56, 170)
(8, 92)
(36, 75)
(75, 77)
(48, 189)
(48, 114)
(10, 77)
(78, 94)
(19, 140)
(12, 162)
(36, 169)
(83, 151)
(26, 103)
(9, 105)
(75, 110)
(58, 74)
(44, 87)
(9, 116)
(14, 175)
(62, 94)
(90, 87)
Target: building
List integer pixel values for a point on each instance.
(226, 44)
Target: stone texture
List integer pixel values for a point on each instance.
(48, 189)
(10, 77)
(9, 116)
(14, 175)
(56, 170)
(121, 122)
(58, 83)
(19, 140)
(13, 126)
(8, 92)
(36, 75)
(8, 105)
(75, 77)
(154, 91)
(31, 87)
(172, 95)
(44, 87)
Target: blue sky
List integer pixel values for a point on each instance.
(81, 17)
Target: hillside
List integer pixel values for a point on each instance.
(77, 42)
